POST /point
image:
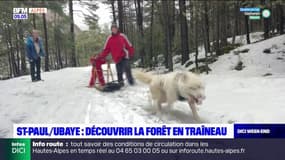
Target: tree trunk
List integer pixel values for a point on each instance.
(65, 57)
(151, 34)
(168, 16)
(183, 32)
(196, 38)
(281, 19)
(46, 43)
(164, 17)
(223, 27)
(73, 54)
(265, 22)
(22, 49)
(236, 16)
(196, 47)
(217, 45)
(13, 60)
(8, 52)
(140, 27)
(113, 11)
(247, 29)
(9, 60)
(56, 55)
(59, 55)
(34, 21)
(207, 34)
(17, 52)
(57, 40)
(266, 28)
(120, 15)
(171, 8)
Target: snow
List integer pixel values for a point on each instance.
(254, 37)
(244, 99)
(256, 62)
(240, 39)
(251, 97)
(232, 96)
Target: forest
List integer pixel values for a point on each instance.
(159, 30)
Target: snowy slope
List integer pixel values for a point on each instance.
(255, 61)
(240, 39)
(232, 96)
(251, 97)
(254, 37)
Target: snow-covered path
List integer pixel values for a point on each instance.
(64, 98)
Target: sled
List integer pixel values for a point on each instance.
(108, 71)
(93, 80)
(110, 86)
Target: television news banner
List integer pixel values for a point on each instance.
(145, 141)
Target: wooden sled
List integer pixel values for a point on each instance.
(110, 86)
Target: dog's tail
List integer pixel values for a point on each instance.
(143, 77)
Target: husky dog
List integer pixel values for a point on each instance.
(174, 86)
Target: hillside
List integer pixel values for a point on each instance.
(256, 59)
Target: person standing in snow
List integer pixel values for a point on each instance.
(35, 51)
(122, 51)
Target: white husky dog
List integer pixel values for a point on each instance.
(174, 86)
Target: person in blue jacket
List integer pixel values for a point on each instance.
(35, 51)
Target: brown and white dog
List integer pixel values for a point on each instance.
(174, 86)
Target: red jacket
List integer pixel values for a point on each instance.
(119, 46)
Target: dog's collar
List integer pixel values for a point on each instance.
(180, 98)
